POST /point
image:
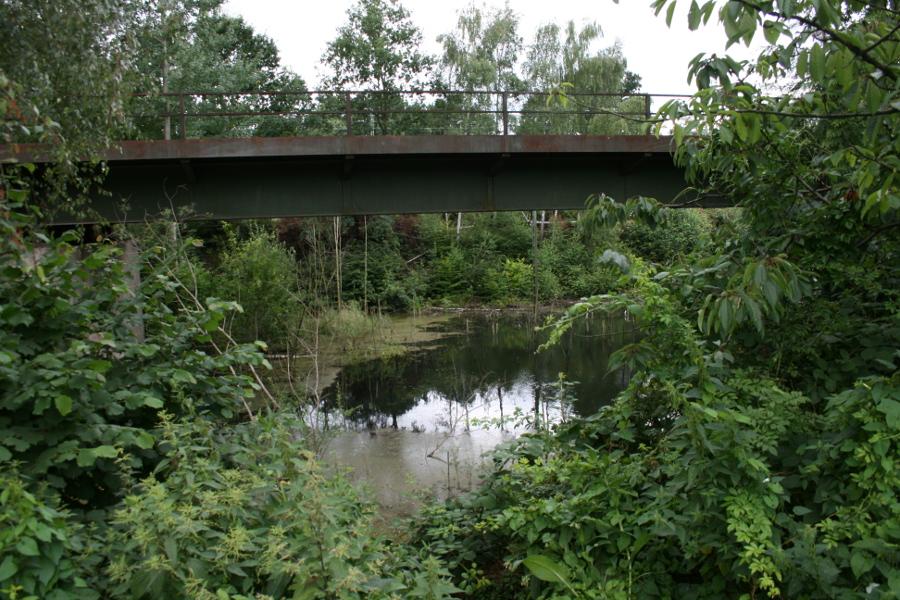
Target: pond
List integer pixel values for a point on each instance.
(419, 421)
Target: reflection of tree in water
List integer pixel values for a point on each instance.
(485, 361)
(376, 392)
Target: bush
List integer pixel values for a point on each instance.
(681, 233)
(260, 274)
(751, 495)
(449, 280)
(518, 277)
(78, 386)
(568, 267)
(246, 510)
(38, 541)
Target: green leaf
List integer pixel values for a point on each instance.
(753, 309)
(106, 451)
(86, 458)
(678, 131)
(669, 13)
(183, 376)
(770, 291)
(101, 366)
(861, 562)
(148, 350)
(210, 325)
(63, 404)
(891, 410)
(145, 440)
(726, 314)
(8, 568)
(740, 126)
(771, 31)
(725, 133)
(894, 581)
(171, 547)
(640, 542)
(817, 63)
(694, 16)
(874, 96)
(28, 546)
(802, 63)
(545, 569)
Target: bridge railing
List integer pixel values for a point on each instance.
(276, 113)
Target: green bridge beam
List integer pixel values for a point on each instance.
(354, 175)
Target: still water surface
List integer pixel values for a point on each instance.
(420, 421)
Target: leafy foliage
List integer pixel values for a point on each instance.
(678, 236)
(69, 92)
(247, 510)
(38, 543)
(562, 57)
(753, 453)
(78, 386)
(377, 50)
(191, 46)
(260, 274)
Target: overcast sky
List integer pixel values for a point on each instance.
(302, 28)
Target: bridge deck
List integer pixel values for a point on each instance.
(348, 175)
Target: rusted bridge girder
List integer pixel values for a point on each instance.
(323, 176)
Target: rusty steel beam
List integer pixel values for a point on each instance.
(324, 176)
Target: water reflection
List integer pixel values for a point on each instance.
(484, 369)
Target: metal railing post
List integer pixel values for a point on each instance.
(349, 112)
(381, 113)
(182, 121)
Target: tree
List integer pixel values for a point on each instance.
(603, 76)
(65, 71)
(481, 55)
(190, 46)
(813, 167)
(377, 51)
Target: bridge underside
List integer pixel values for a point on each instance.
(325, 176)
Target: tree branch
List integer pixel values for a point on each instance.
(827, 116)
(881, 40)
(875, 231)
(861, 53)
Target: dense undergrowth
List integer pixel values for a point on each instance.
(701, 481)
(288, 274)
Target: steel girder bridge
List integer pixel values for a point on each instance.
(444, 169)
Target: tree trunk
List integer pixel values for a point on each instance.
(534, 260)
(337, 260)
(366, 265)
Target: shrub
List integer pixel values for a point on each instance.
(38, 541)
(246, 510)
(681, 233)
(260, 274)
(78, 386)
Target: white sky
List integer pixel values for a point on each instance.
(302, 28)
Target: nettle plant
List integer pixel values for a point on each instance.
(246, 511)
